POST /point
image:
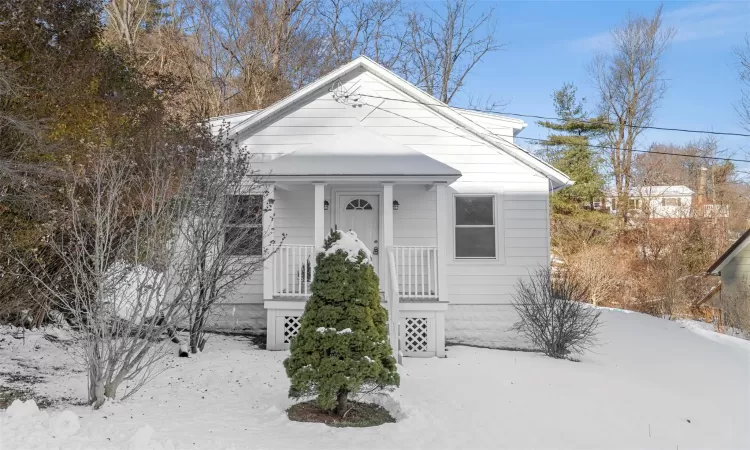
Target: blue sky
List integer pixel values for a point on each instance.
(549, 43)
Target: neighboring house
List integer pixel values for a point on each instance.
(666, 202)
(454, 211)
(733, 268)
(658, 202)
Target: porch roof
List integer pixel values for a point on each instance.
(356, 152)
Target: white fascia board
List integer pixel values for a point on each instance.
(346, 179)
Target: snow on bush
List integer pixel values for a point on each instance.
(64, 424)
(21, 409)
(26, 415)
(349, 243)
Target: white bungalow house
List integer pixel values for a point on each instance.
(658, 202)
(453, 210)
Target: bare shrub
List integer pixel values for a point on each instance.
(112, 284)
(223, 230)
(598, 268)
(553, 315)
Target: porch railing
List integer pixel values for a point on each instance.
(417, 272)
(293, 270)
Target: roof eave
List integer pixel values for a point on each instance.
(729, 254)
(348, 178)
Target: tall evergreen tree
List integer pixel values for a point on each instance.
(568, 149)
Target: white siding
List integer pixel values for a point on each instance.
(521, 192)
(294, 215)
(414, 221)
(735, 276)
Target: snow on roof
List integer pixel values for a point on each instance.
(350, 244)
(356, 152)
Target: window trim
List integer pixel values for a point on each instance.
(228, 226)
(494, 225)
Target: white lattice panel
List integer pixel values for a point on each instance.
(291, 327)
(415, 334)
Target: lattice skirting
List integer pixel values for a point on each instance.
(422, 333)
(283, 323)
(291, 327)
(415, 336)
(422, 326)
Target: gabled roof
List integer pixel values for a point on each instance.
(730, 254)
(558, 178)
(356, 152)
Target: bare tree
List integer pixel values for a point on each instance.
(355, 28)
(126, 18)
(444, 46)
(631, 84)
(743, 106)
(120, 296)
(224, 229)
(553, 315)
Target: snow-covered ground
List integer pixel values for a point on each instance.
(650, 384)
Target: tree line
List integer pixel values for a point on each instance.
(628, 260)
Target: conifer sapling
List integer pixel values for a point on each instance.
(342, 346)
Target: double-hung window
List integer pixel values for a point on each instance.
(243, 233)
(474, 229)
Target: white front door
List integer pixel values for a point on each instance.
(359, 213)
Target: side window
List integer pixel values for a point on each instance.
(243, 231)
(474, 227)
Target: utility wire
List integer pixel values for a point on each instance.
(538, 140)
(532, 116)
(655, 152)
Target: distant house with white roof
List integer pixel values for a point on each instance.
(657, 202)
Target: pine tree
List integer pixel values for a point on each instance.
(569, 150)
(342, 345)
(158, 13)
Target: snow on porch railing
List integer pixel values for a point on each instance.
(293, 270)
(417, 272)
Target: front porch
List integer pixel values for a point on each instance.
(411, 285)
(395, 199)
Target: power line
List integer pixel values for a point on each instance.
(655, 152)
(504, 138)
(533, 116)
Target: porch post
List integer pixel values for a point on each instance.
(319, 214)
(268, 242)
(442, 216)
(387, 229)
